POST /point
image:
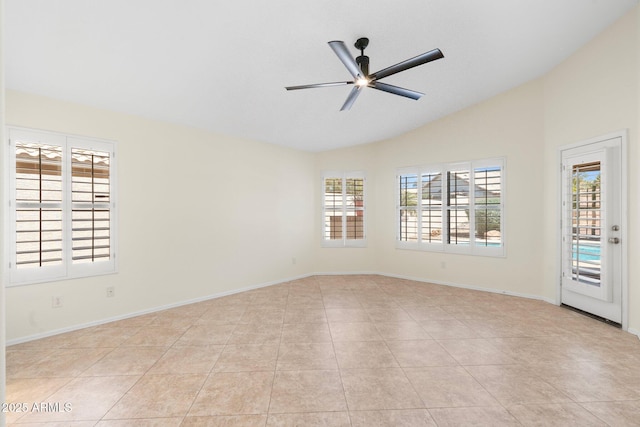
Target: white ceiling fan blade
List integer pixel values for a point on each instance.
(343, 53)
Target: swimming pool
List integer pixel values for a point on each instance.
(588, 252)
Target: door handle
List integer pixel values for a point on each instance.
(614, 240)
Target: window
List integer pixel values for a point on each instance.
(343, 209)
(452, 208)
(62, 217)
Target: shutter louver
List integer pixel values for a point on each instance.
(38, 205)
(90, 197)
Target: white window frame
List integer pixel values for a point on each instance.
(472, 248)
(67, 270)
(344, 242)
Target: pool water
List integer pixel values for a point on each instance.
(587, 252)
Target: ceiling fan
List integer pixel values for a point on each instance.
(359, 70)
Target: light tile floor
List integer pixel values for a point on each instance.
(335, 351)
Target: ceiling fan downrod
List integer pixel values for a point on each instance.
(363, 60)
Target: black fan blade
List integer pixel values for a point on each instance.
(343, 53)
(311, 86)
(396, 90)
(353, 95)
(432, 55)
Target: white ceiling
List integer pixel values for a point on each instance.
(223, 65)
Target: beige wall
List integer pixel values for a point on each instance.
(505, 126)
(199, 215)
(594, 93)
(271, 195)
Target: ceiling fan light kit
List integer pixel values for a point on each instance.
(359, 70)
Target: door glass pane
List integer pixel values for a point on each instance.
(586, 221)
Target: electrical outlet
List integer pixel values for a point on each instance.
(56, 302)
(294, 260)
(111, 292)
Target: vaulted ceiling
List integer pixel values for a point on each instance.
(223, 66)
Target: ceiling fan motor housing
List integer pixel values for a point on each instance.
(363, 62)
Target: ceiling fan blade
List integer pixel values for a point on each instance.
(432, 55)
(311, 86)
(343, 53)
(396, 90)
(353, 95)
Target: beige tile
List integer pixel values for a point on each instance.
(142, 422)
(187, 360)
(392, 418)
(624, 413)
(312, 300)
(226, 421)
(307, 391)
(418, 353)
(513, 385)
(589, 381)
(305, 332)
(301, 356)
(206, 335)
(341, 300)
(247, 357)
(256, 333)
(409, 330)
(126, 361)
(163, 396)
(32, 389)
(23, 392)
(364, 354)
(347, 315)
(354, 331)
(555, 414)
(234, 393)
(380, 315)
(475, 352)
(448, 387)
(58, 424)
(422, 312)
(493, 328)
(304, 315)
(63, 363)
(50, 343)
(87, 399)
(155, 336)
(263, 315)
(20, 360)
(448, 329)
(221, 316)
(379, 388)
(479, 416)
(314, 419)
(102, 336)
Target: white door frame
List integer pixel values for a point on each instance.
(624, 223)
